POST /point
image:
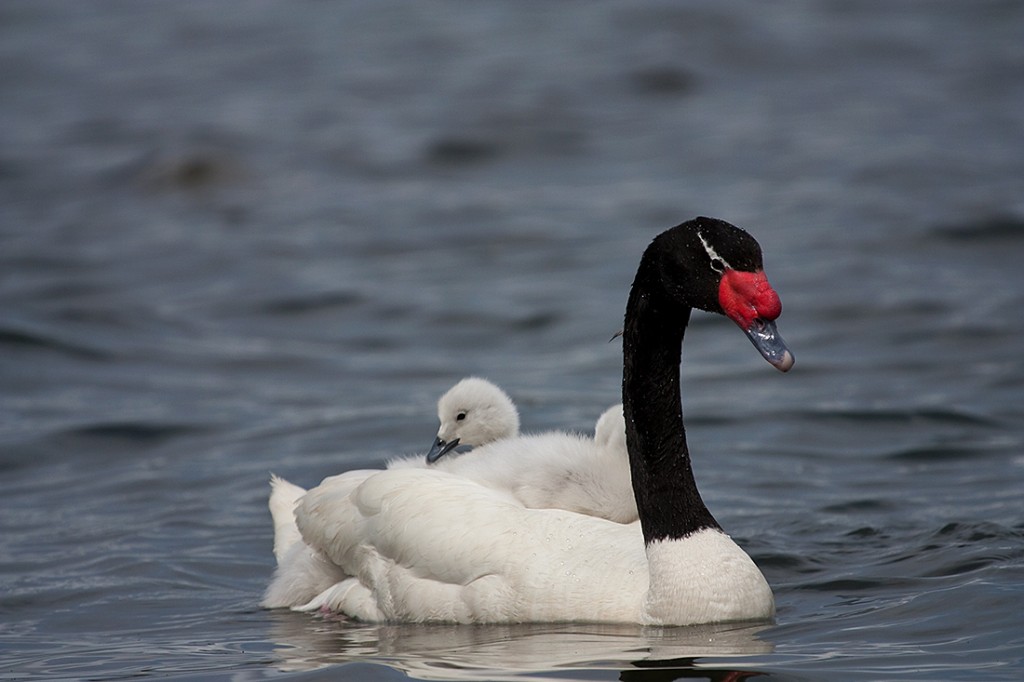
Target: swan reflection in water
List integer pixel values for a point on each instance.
(518, 652)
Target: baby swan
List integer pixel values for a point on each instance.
(551, 470)
(473, 412)
(558, 470)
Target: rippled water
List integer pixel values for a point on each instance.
(243, 238)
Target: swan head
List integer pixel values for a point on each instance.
(610, 429)
(715, 266)
(473, 412)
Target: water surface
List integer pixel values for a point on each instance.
(243, 238)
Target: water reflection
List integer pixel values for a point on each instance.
(516, 652)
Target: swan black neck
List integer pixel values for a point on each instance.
(668, 502)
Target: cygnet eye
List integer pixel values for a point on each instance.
(460, 416)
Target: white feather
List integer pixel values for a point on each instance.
(284, 496)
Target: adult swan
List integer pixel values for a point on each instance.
(417, 545)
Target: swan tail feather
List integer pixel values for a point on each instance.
(302, 574)
(349, 597)
(284, 496)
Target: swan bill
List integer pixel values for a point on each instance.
(748, 299)
(767, 340)
(440, 448)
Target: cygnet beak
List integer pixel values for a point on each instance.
(440, 448)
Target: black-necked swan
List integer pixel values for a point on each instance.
(422, 545)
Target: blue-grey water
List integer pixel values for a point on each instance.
(238, 238)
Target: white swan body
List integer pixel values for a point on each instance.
(508, 563)
(423, 545)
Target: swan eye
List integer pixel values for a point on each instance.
(718, 265)
(460, 416)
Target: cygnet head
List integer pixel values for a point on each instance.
(473, 412)
(610, 429)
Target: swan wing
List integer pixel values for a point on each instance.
(425, 545)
